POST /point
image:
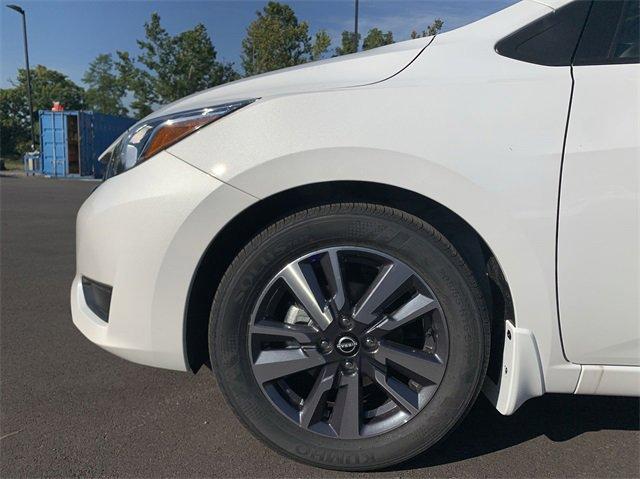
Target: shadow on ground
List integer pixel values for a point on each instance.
(555, 416)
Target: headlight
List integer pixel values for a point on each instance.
(148, 137)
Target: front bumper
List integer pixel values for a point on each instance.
(143, 233)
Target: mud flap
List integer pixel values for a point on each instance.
(521, 375)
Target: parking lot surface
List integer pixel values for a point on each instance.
(68, 409)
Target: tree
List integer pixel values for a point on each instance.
(349, 44)
(105, 91)
(376, 38)
(320, 45)
(276, 39)
(170, 67)
(47, 86)
(181, 64)
(15, 136)
(432, 29)
(137, 81)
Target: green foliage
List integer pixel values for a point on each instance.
(376, 38)
(47, 86)
(180, 64)
(320, 45)
(169, 67)
(137, 81)
(276, 39)
(14, 129)
(105, 91)
(349, 44)
(432, 29)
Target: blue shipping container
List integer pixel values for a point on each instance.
(72, 141)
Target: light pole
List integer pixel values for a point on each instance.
(355, 30)
(26, 60)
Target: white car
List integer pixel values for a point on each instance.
(357, 246)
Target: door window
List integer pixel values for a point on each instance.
(611, 35)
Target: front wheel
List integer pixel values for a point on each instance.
(349, 336)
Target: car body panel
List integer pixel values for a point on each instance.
(598, 235)
(605, 380)
(134, 233)
(554, 4)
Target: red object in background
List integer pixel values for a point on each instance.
(57, 106)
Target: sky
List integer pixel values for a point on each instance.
(68, 35)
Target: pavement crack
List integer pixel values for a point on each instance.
(10, 434)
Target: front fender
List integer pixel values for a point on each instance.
(502, 179)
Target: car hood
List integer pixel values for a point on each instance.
(357, 69)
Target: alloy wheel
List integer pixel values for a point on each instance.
(348, 342)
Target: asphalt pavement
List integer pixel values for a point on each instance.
(69, 409)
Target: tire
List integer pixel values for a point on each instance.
(368, 233)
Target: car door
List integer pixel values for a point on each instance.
(598, 237)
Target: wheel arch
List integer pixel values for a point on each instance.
(237, 232)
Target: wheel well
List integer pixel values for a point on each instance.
(239, 231)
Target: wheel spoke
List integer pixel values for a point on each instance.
(345, 418)
(396, 390)
(311, 406)
(388, 281)
(303, 283)
(278, 363)
(416, 307)
(331, 267)
(300, 332)
(416, 364)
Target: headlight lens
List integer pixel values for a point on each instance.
(148, 137)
